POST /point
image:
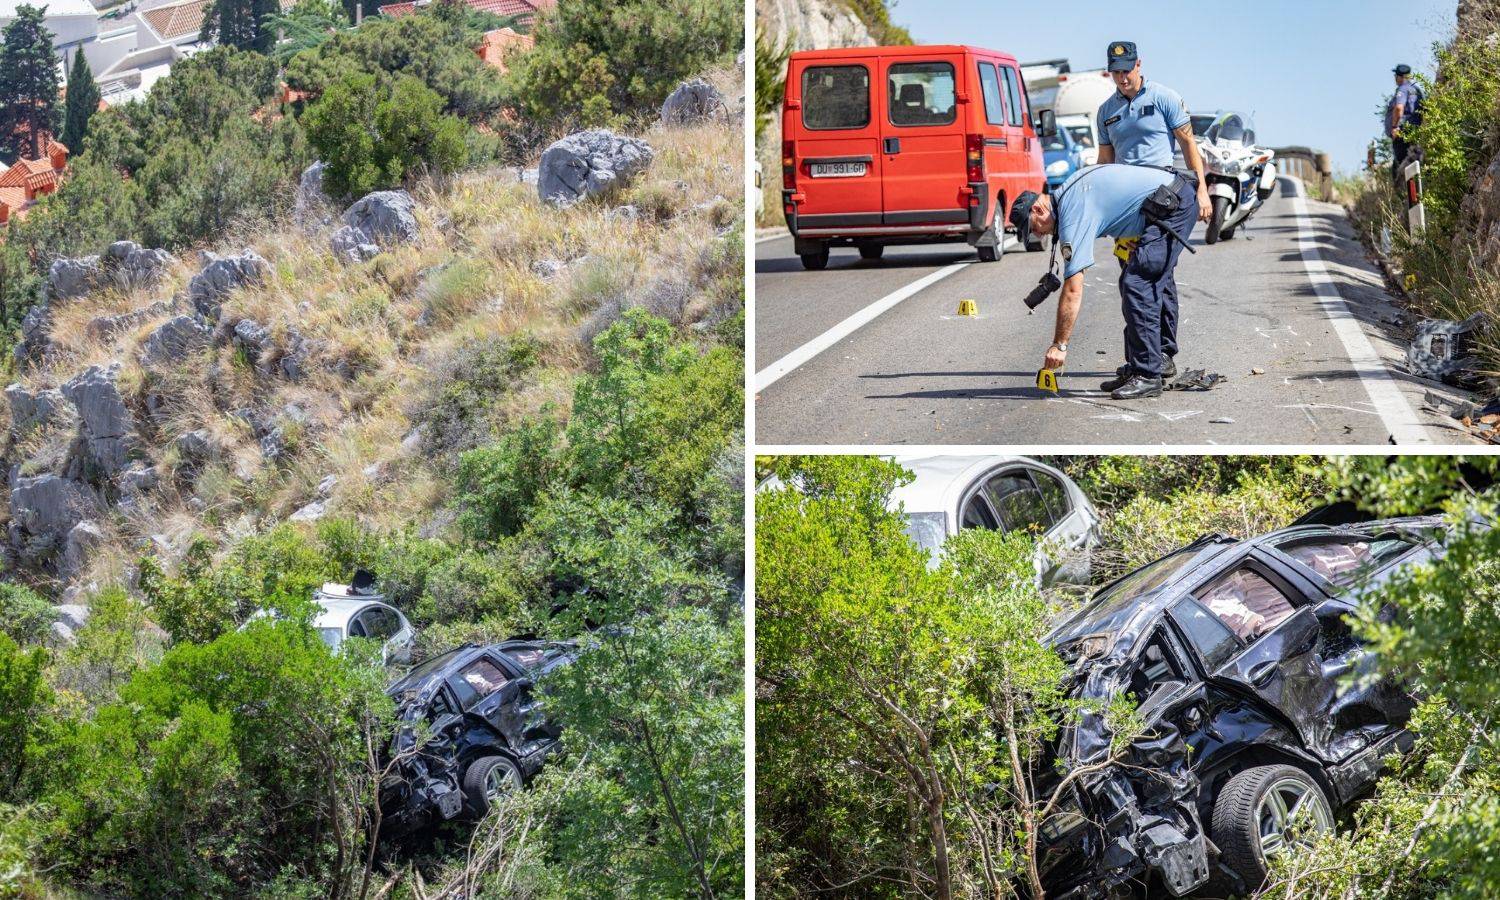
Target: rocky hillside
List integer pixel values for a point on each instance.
(340, 363)
(806, 24)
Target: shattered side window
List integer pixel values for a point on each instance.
(1246, 602)
(527, 658)
(1212, 639)
(478, 680)
(1019, 503)
(1342, 562)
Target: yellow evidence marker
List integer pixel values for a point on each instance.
(1046, 380)
(968, 308)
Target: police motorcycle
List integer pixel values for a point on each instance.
(1240, 175)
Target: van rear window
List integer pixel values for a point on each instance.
(922, 94)
(835, 97)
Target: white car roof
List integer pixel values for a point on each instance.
(337, 611)
(939, 479)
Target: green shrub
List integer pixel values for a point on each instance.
(469, 586)
(1458, 133)
(201, 779)
(25, 615)
(499, 485)
(371, 137)
(597, 64)
(24, 697)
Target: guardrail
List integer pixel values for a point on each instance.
(1312, 166)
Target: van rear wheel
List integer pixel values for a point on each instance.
(815, 261)
(871, 251)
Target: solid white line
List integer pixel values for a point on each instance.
(773, 373)
(1397, 414)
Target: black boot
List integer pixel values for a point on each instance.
(1139, 387)
(1122, 375)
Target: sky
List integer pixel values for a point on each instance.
(1313, 73)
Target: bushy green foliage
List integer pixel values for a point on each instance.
(501, 483)
(470, 586)
(372, 138)
(24, 698)
(434, 47)
(1458, 133)
(306, 25)
(889, 691)
(198, 780)
(770, 79)
(665, 757)
(25, 615)
(600, 64)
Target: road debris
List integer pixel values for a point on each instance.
(1443, 350)
(1257, 371)
(1195, 380)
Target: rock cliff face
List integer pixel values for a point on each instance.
(1479, 215)
(810, 24)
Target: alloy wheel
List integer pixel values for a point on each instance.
(1290, 813)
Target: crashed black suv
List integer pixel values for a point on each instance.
(469, 729)
(1236, 652)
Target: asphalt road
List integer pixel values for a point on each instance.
(873, 352)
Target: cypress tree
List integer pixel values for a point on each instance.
(237, 23)
(81, 104)
(28, 86)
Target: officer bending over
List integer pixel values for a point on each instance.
(1114, 200)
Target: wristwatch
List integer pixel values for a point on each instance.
(1061, 345)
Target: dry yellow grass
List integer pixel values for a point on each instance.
(391, 322)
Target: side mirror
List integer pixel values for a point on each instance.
(1046, 123)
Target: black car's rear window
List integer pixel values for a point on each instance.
(835, 97)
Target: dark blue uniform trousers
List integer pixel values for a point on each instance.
(1148, 291)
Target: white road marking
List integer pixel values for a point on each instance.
(1395, 412)
(781, 367)
(784, 366)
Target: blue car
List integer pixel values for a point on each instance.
(1062, 156)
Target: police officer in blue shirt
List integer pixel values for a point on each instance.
(1403, 110)
(1113, 199)
(1137, 123)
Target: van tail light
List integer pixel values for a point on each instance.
(789, 164)
(974, 147)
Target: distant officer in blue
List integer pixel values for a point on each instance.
(1404, 109)
(1114, 200)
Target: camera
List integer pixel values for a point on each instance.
(1044, 288)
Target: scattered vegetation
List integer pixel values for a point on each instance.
(1444, 272)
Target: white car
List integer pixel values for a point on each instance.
(1004, 493)
(347, 612)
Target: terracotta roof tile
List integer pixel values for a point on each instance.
(178, 19)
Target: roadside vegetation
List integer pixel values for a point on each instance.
(526, 421)
(1451, 271)
(931, 687)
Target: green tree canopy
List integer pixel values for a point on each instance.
(28, 86)
(81, 103)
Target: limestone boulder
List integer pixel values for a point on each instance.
(588, 163)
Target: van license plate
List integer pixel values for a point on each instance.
(838, 170)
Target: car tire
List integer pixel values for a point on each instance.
(487, 778)
(1216, 221)
(871, 251)
(815, 262)
(1246, 816)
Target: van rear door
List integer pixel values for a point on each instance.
(922, 140)
(830, 118)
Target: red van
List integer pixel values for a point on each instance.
(906, 145)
